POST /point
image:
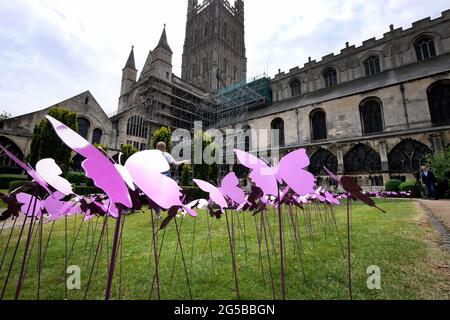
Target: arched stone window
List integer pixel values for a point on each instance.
(372, 65)
(205, 66)
(248, 138)
(196, 37)
(408, 156)
(7, 165)
(277, 127)
(371, 116)
(193, 70)
(318, 119)
(225, 67)
(425, 48)
(97, 135)
(330, 77)
(439, 102)
(83, 127)
(225, 31)
(362, 159)
(296, 87)
(322, 158)
(137, 127)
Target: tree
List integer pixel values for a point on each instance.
(186, 176)
(5, 115)
(440, 164)
(205, 171)
(163, 134)
(45, 143)
(128, 151)
(101, 147)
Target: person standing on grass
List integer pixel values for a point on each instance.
(161, 146)
(429, 180)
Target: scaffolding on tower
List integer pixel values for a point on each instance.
(231, 104)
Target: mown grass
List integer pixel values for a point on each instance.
(394, 241)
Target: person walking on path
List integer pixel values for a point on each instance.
(429, 180)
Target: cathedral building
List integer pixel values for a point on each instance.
(373, 112)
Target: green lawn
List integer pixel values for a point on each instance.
(395, 242)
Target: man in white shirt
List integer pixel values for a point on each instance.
(161, 146)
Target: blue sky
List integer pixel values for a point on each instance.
(51, 50)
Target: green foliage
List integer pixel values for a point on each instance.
(185, 180)
(412, 186)
(127, 151)
(163, 134)
(440, 163)
(205, 171)
(194, 193)
(86, 190)
(46, 144)
(393, 185)
(78, 178)
(214, 175)
(101, 146)
(6, 179)
(13, 185)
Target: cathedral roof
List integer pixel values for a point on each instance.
(130, 62)
(410, 72)
(163, 43)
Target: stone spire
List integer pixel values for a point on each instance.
(130, 62)
(163, 43)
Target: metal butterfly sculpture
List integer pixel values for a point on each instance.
(51, 196)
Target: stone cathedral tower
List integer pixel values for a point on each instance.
(214, 49)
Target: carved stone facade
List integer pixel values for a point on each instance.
(214, 54)
(387, 99)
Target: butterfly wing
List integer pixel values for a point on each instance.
(291, 171)
(332, 175)
(126, 176)
(33, 174)
(51, 173)
(230, 188)
(161, 189)
(215, 194)
(262, 174)
(97, 167)
(152, 160)
(32, 206)
(351, 186)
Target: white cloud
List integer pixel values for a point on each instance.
(53, 49)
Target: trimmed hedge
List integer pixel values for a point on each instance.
(412, 186)
(393, 185)
(6, 179)
(79, 178)
(13, 185)
(86, 190)
(194, 193)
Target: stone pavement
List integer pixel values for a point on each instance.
(438, 213)
(440, 209)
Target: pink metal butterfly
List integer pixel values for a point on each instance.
(97, 167)
(290, 170)
(145, 169)
(47, 173)
(353, 188)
